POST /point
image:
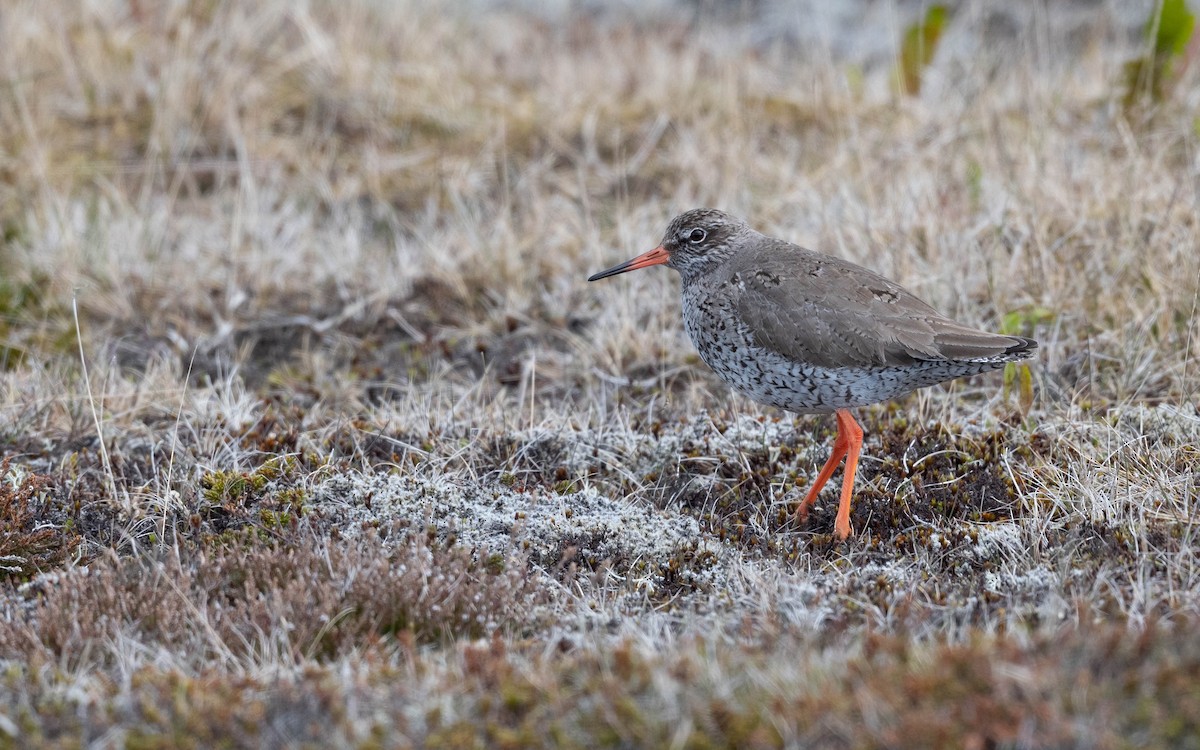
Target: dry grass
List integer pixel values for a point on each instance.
(365, 462)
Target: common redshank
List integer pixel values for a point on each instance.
(811, 333)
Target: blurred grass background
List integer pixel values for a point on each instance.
(350, 405)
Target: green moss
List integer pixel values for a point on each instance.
(243, 489)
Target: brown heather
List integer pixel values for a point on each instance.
(250, 598)
(30, 540)
(360, 460)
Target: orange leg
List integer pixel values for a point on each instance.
(848, 445)
(840, 446)
(846, 424)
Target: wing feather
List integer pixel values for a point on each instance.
(832, 313)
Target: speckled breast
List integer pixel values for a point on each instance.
(727, 346)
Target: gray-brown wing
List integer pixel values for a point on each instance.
(832, 313)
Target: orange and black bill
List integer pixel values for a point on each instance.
(655, 257)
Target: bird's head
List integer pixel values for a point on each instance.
(695, 242)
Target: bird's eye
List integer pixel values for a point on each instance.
(697, 236)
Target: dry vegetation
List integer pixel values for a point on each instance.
(314, 434)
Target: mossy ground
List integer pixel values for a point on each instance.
(359, 459)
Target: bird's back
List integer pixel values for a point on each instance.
(811, 332)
